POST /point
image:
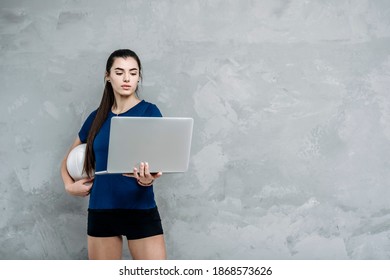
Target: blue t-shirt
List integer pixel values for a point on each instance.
(115, 191)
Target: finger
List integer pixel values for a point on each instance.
(135, 172)
(87, 189)
(87, 183)
(147, 173)
(142, 170)
(157, 175)
(86, 180)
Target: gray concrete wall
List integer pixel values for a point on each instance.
(290, 156)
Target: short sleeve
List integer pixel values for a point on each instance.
(83, 133)
(153, 111)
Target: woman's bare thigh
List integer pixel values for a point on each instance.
(105, 248)
(149, 248)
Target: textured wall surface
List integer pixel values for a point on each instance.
(290, 156)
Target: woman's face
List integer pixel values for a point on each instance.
(124, 76)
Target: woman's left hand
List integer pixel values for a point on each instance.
(143, 175)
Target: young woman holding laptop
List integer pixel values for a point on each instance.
(119, 204)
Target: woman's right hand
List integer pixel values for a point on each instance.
(80, 188)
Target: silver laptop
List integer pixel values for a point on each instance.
(164, 143)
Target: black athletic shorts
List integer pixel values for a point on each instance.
(132, 223)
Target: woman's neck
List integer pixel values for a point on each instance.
(122, 105)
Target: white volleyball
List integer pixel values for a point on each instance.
(75, 162)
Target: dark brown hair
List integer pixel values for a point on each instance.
(105, 106)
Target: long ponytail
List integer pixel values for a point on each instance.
(101, 115)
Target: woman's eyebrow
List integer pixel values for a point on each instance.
(121, 69)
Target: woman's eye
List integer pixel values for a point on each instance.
(118, 74)
(133, 74)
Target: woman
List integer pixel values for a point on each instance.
(120, 204)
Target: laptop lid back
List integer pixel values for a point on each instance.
(164, 143)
